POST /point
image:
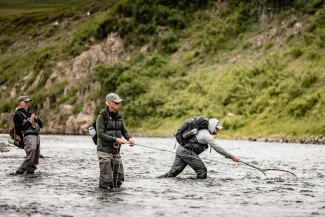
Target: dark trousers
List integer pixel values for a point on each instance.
(186, 157)
(32, 149)
(111, 170)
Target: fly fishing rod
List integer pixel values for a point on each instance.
(264, 170)
(243, 162)
(152, 148)
(38, 84)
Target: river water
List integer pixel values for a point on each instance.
(66, 182)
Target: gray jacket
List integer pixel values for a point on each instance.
(204, 136)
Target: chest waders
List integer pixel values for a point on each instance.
(117, 147)
(114, 162)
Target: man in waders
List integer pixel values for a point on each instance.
(188, 152)
(28, 125)
(109, 133)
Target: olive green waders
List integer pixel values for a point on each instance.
(111, 170)
(183, 158)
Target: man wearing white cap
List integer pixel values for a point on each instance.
(28, 125)
(188, 153)
(110, 128)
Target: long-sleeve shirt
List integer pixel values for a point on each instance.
(22, 123)
(102, 130)
(204, 137)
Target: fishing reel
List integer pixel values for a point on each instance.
(35, 125)
(117, 146)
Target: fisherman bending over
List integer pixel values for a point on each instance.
(110, 128)
(189, 151)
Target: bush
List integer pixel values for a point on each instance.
(268, 45)
(308, 79)
(168, 42)
(138, 81)
(313, 6)
(299, 107)
(234, 123)
(296, 52)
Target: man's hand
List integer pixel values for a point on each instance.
(236, 159)
(33, 118)
(131, 141)
(119, 141)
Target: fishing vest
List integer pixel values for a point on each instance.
(32, 130)
(114, 126)
(194, 145)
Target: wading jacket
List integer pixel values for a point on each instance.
(24, 126)
(109, 130)
(204, 138)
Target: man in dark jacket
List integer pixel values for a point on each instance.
(109, 132)
(28, 125)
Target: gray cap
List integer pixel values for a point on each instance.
(218, 126)
(113, 97)
(24, 98)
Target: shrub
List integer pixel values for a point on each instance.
(235, 122)
(296, 52)
(268, 45)
(299, 107)
(313, 6)
(167, 42)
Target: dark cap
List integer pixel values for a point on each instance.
(24, 98)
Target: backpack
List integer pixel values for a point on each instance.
(15, 137)
(92, 128)
(190, 128)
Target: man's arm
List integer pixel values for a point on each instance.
(100, 128)
(37, 120)
(206, 138)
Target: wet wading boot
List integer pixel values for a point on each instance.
(101, 187)
(16, 173)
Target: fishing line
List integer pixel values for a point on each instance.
(39, 81)
(264, 170)
(154, 148)
(253, 166)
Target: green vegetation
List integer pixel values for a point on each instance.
(202, 57)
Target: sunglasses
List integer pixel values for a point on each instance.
(116, 103)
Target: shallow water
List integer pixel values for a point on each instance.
(66, 183)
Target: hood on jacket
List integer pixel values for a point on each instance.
(214, 123)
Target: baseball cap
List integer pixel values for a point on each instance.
(113, 97)
(218, 126)
(24, 98)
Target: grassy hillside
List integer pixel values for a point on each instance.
(258, 66)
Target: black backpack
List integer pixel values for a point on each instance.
(190, 128)
(16, 137)
(92, 128)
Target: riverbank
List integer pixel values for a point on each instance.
(320, 140)
(229, 136)
(304, 140)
